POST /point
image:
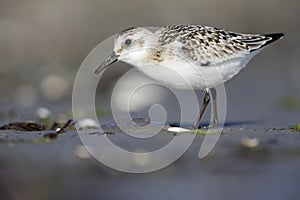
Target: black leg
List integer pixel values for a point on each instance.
(214, 107)
(203, 108)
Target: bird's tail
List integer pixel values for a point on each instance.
(256, 42)
(273, 37)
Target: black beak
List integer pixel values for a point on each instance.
(108, 61)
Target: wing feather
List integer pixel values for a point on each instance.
(208, 45)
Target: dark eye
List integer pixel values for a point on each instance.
(128, 41)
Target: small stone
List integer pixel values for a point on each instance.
(81, 152)
(250, 142)
(87, 123)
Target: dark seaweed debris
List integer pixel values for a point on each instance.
(50, 135)
(33, 126)
(23, 126)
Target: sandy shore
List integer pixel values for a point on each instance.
(32, 167)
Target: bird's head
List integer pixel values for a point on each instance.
(130, 45)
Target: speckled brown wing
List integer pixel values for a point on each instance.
(208, 46)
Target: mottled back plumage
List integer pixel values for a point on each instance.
(210, 45)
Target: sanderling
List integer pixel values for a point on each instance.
(202, 56)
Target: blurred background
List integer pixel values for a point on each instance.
(42, 44)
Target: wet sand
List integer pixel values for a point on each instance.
(35, 168)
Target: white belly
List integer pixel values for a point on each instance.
(182, 75)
